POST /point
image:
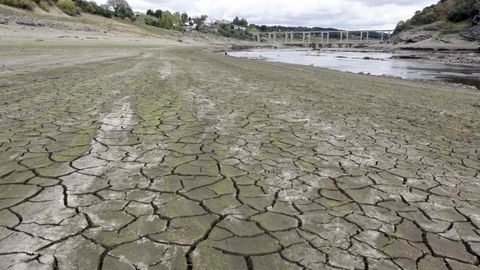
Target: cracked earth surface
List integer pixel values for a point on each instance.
(182, 159)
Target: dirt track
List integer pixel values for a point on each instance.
(176, 158)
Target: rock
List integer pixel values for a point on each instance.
(471, 33)
(476, 20)
(29, 23)
(415, 57)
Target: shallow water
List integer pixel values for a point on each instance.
(375, 63)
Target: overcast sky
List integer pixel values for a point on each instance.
(344, 14)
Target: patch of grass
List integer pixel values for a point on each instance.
(448, 28)
(447, 25)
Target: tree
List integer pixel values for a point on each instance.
(252, 28)
(150, 12)
(122, 8)
(402, 25)
(158, 13)
(169, 20)
(264, 28)
(236, 21)
(184, 18)
(465, 9)
(200, 21)
(243, 22)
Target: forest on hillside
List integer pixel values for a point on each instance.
(449, 11)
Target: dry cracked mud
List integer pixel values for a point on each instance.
(177, 158)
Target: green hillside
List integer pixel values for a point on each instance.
(448, 13)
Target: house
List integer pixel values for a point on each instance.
(239, 27)
(190, 25)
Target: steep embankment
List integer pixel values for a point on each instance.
(450, 24)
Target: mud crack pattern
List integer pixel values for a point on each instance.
(181, 159)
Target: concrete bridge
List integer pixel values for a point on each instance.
(341, 38)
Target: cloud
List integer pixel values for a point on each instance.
(345, 14)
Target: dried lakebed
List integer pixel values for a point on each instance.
(176, 158)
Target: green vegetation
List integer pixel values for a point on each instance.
(466, 9)
(228, 30)
(164, 19)
(157, 14)
(44, 5)
(92, 8)
(445, 11)
(68, 7)
(24, 4)
(121, 8)
(238, 28)
(170, 20)
(240, 22)
(74, 7)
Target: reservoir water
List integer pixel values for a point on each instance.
(375, 63)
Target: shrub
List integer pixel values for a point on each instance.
(25, 4)
(44, 5)
(149, 20)
(68, 7)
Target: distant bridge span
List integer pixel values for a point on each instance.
(324, 38)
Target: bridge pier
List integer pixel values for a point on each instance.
(345, 37)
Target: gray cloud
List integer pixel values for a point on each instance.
(347, 14)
